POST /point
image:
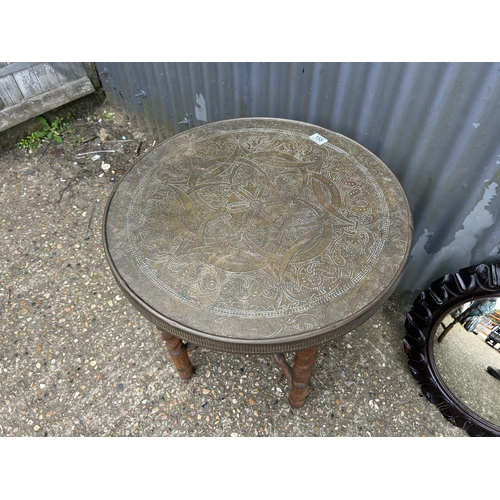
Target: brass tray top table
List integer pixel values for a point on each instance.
(257, 235)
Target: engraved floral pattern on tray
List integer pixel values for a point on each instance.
(257, 224)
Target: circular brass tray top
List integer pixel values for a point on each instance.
(256, 235)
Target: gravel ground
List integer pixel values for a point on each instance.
(77, 360)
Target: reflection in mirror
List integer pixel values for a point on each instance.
(452, 341)
(466, 350)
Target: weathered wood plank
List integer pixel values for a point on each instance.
(12, 67)
(44, 102)
(2, 105)
(65, 71)
(80, 70)
(92, 74)
(4, 92)
(46, 76)
(28, 83)
(9, 91)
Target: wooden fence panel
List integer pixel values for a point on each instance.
(47, 76)
(30, 89)
(9, 91)
(28, 83)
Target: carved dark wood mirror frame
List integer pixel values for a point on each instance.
(428, 310)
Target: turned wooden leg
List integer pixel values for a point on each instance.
(301, 376)
(285, 367)
(179, 355)
(446, 331)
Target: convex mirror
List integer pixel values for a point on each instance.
(453, 346)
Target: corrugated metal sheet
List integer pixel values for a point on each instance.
(436, 125)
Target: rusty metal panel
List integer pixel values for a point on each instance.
(434, 124)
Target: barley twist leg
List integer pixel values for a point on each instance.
(179, 355)
(302, 371)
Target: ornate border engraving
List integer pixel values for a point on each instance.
(251, 234)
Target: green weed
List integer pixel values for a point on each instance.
(79, 139)
(108, 115)
(50, 131)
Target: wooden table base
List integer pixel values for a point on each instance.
(299, 375)
(302, 370)
(179, 354)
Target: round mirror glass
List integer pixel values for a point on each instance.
(466, 352)
(452, 343)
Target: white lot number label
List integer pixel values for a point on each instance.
(318, 139)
